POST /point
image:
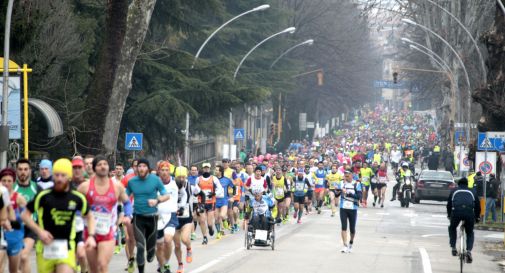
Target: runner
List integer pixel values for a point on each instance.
(382, 183)
(28, 189)
(209, 185)
(130, 234)
(233, 206)
(318, 177)
(45, 180)
(119, 175)
(223, 197)
(310, 191)
(167, 221)
(14, 232)
(102, 195)
(351, 194)
(288, 193)
(193, 179)
(280, 188)
(300, 186)
(88, 164)
(78, 179)
(144, 188)
(56, 209)
(366, 175)
(185, 217)
(332, 181)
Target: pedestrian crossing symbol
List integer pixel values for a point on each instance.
(486, 144)
(133, 141)
(239, 133)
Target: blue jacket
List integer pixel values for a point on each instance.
(463, 200)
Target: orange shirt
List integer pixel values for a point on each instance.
(207, 187)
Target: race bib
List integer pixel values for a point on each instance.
(219, 192)
(334, 184)
(279, 192)
(103, 222)
(207, 192)
(79, 223)
(374, 180)
(383, 179)
(320, 181)
(365, 179)
(185, 213)
(348, 205)
(58, 249)
(299, 186)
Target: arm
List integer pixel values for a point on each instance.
(43, 235)
(449, 205)
(90, 241)
(476, 207)
(127, 206)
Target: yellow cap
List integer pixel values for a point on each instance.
(63, 166)
(181, 171)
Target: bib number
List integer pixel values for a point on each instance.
(102, 222)
(58, 249)
(279, 193)
(348, 204)
(320, 181)
(185, 214)
(383, 180)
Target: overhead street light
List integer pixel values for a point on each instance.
(289, 30)
(469, 99)
(308, 42)
(260, 8)
(501, 6)
(431, 52)
(476, 46)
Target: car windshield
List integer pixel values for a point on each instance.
(436, 175)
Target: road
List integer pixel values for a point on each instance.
(392, 239)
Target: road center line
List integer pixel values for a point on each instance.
(426, 260)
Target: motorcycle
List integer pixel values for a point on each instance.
(405, 191)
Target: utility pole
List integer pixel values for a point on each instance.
(4, 126)
(186, 142)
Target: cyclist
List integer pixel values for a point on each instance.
(56, 209)
(462, 205)
(349, 202)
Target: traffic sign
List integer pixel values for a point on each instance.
(485, 167)
(390, 84)
(238, 134)
(485, 164)
(492, 141)
(133, 141)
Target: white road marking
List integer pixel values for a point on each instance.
(426, 260)
(382, 213)
(433, 235)
(494, 236)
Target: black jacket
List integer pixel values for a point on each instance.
(492, 187)
(463, 200)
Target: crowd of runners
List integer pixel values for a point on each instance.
(79, 212)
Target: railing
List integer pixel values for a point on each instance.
(201, 151)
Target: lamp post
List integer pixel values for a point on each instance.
(502, 7)
(4, 126)
(289, 30)
(482, 62)
(469, 99)
(308, 42)
(260, 8)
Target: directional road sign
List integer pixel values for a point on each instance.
(133, 141)
(492, 141)
(390, 84)
(238, 134)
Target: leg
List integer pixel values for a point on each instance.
(81, 257)
(343, 222)
(105, 251)
(14, 263)
(25, 254)
(469, 225)
(177, 244)
(383, 194)
(353, 218)
(64, 268)
(151, 229)
(130, 240)
(140, 239)
(332, 203)
(452, 230)
(92, 256)
(203, 224)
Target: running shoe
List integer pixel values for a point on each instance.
(225, 225)
(285, 221)
(131, 266)
(349, 249)
(469, 258)
(211, 231)
(382, 206)
(333, 214)
(299, 221)
(166, 268)
(180, 268)
(219, 236)
(374, 204)
(193, 236)
(205, 240)
(189, 256)
(295, 215)
(117, 249)
(344, 249)
(241, 216)
(454, 252)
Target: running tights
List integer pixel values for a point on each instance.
(352, 216)
(145, 235)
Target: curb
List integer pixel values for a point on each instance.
(485, 228)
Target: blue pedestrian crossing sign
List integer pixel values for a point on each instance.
(238, 134)
(133, 141)
(491, 141)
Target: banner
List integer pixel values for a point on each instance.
(14, 111)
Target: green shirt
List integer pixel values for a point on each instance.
(28, 192)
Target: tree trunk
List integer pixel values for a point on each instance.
(139, 16)
(492, 98)
(99, 93)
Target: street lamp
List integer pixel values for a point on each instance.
(308, 42)
(289, 30)
(260, 8)
(482, 62)
(4, 126)
(435, 56)
(501, 6)
(469, 99)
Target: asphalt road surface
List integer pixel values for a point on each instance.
(392, 239)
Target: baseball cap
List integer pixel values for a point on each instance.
(206, 165)
(77, 162)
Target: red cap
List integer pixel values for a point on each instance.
(77, 162)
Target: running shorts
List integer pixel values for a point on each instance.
(299, 199)
(49, 266)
